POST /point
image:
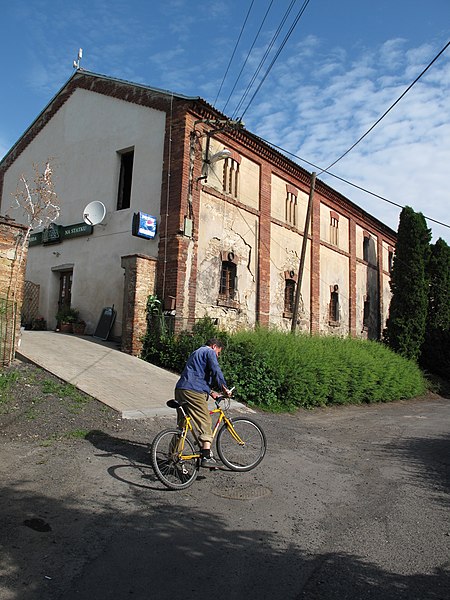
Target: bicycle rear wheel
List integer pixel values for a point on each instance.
(174, 471)
(241, 456)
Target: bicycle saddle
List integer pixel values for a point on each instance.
(174, 403)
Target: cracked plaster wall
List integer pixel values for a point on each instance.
(226, 227)
(285, 256)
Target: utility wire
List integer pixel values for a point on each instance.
(344, 180)
(248, 56)
(234, 51)
(388, 110)
(263, 59)
(287, 36)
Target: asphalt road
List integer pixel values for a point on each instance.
(349, 503)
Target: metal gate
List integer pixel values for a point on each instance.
(30, 305)
(7, 331)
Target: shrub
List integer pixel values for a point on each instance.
(281, 372)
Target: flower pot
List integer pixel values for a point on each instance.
(66, 327)
(78, 328)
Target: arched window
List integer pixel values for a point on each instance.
(227, 289)
(289, 296)
(334, 305)
(231, 177)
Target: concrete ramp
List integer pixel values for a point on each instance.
(133, 387)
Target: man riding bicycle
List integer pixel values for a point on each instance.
(201, 371)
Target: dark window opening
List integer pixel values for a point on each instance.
(125, 179)
(390, 261)
(366, 314)
(289, 295)
(334, 306)
(366, 246)
(227, 290)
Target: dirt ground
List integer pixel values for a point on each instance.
(39, 407)
(349, 502)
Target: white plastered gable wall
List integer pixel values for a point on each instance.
(83, 140)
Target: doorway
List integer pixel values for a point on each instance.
(65, 289)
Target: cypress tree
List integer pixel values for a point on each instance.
(436, 348)
(405, 327)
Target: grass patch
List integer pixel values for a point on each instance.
(64, 390)
(7, 379)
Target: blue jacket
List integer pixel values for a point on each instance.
(201, 370)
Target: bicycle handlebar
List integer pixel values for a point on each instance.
(219, 399)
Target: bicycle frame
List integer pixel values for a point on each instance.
(188, 427)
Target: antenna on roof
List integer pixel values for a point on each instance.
(76, 63)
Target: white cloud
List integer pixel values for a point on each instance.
(321, 109)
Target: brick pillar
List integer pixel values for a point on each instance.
(315, 266)
(263, 282)
(140, 274)
(352, 279)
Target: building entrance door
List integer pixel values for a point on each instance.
(65, 289)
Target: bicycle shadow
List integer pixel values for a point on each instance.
(113, 446)
(137, 454)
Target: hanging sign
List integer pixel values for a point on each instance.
(144, 225)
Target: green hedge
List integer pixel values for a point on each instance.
(316, 371)
(279, 371)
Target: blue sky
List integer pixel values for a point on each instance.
(343, 66)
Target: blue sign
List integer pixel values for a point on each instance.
(144, 225)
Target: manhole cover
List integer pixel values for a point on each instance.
(236, 492)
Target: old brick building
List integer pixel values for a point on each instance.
(230, 215)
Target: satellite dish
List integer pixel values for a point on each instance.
(94, 213)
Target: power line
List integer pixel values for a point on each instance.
(234, 51)
(388, 110)
(248, 55)
(263, 59)
(287, 36)
(344, 180)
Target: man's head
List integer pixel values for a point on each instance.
(215, 344)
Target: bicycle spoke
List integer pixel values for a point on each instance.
(170, 467)
(241, 456)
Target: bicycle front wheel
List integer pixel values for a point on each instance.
(175, 470)
(246, 454)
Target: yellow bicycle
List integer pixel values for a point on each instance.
(175, 453)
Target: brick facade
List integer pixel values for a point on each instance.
(139, 283)
(174, 274)
(13, 260)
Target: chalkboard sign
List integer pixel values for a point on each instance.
(105, 323)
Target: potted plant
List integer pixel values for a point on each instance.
(66, 317)
(79, 327)
(39, 324)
